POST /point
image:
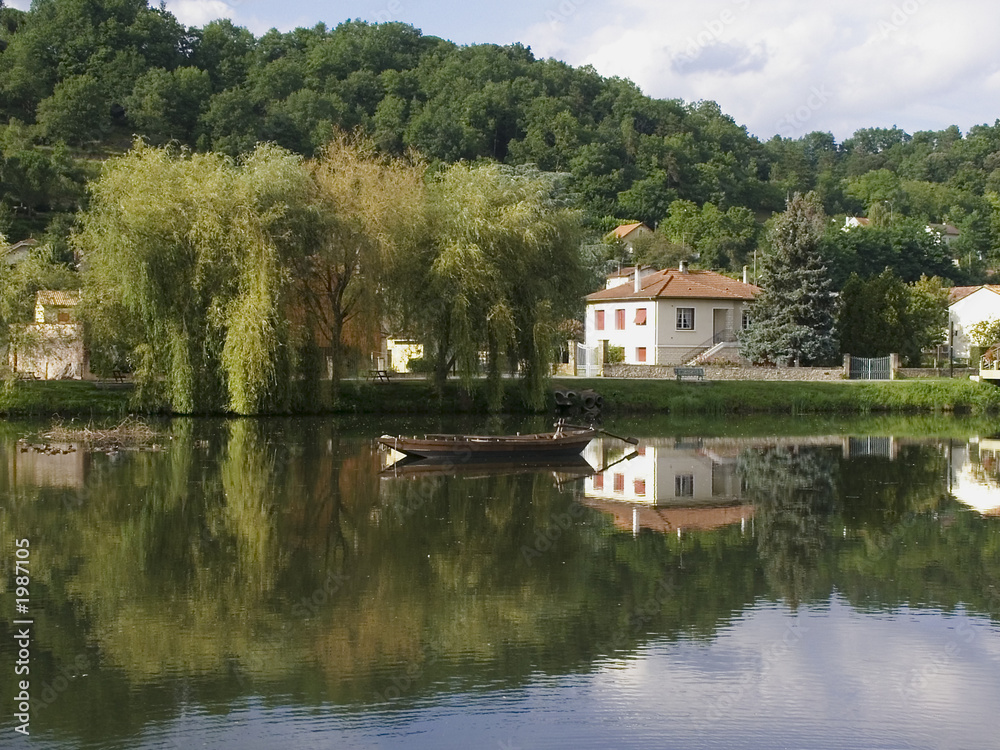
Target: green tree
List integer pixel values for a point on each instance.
(77, 111)
(167, 105)
(500, 270)
(369, 208)
(882, 314)
(193, 250)
(792, 321)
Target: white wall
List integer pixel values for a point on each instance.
(981, 305)
(663, 342)
(652, 478)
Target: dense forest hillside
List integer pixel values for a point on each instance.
(80, 78)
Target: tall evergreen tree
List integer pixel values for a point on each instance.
(792, 321)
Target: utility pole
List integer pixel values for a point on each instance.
(951, 348)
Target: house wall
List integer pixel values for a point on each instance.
(664, 344)
(663, 474)
(51, 351)
(400, 352)
(981, 305)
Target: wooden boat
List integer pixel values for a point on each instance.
(468, 448)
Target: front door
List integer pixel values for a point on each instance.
(720, 325)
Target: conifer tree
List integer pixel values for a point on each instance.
(792, 321)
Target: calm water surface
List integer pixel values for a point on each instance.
(278, 584)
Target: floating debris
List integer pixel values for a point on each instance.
(129, 434)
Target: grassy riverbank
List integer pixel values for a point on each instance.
(621, 397)
(65, 398)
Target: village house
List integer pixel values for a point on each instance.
(14, 254)
(967, 306)
(52, 347)
(669, 317)
(628, 233)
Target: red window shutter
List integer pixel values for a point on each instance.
(620, 320)
(598, 481)
(619, 482)
(599, 320)
(640, 316)
(640, 354)
(640, 487)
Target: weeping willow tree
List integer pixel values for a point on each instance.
(193, 251)
(368, 207)
(500, 268)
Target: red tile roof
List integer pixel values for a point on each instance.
(672, 283)
(958, 293)
(625, 229)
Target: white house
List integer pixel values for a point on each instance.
(669, 317)
(668, 486)
(967, 306)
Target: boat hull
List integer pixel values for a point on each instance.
(545, 445)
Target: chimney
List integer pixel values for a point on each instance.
(684, 266)
(637, 278)
(746, 274)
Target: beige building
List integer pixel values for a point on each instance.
(52, 347)
(669, 317)
(628, 233)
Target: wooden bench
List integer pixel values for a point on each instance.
(382, 375)
(118, 376)
(689, 372)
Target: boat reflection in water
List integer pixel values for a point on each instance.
(563, 468)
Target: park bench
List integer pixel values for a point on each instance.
(382, 375)
(689, 372)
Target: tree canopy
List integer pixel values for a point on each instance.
(792, 320)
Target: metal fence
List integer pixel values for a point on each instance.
(587, 361)
(871, 368)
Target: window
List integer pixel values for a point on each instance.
(599, 319)
(745, 321)
(619, 482)
(598, 481)
(640, 316)
(640, 487)
(685, 318)
(684, 485)
(63, 317)
(620, 320)
(640, 354)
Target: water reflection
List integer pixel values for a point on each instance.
(283, 564)
(975, 474)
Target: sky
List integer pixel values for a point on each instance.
(783, 67)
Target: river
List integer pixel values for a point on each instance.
(729, 584)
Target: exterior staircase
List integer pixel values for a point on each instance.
(708, 349)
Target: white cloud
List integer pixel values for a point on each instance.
(200, 12)
(920, 64)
